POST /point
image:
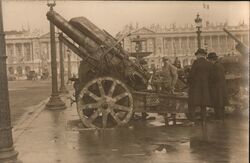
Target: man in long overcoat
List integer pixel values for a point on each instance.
(199, 79)
(218, 89)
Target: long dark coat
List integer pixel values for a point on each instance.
(218, 88)
(199, 79)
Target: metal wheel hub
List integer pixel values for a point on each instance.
(113, 104)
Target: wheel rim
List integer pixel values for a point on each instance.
(105, 102)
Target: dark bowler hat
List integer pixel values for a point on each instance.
(201, 52)
(212, 56)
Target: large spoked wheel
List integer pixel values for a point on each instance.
(105, 102)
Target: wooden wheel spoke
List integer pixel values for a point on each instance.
(99, 83)
(116, 118)
(112, 88)
(103, 109)
(121, 96)
(94, 116)
(92, 95)
(90, 106)
(122, 108)
(104, 119)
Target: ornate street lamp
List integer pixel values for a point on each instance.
(55, 101)
(51, 4)
(7, 151)
(198, 22)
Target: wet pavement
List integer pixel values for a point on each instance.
(22, 99)
(58, 137)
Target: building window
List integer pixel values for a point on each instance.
(159, 49)
(45, 50)
(27, 69)
(167, 46)
(192, 43)
(207, 42)
(19, 53)
(10, 53)
(11, 70)
(27, 52)
(176, 44)
(151, 45)
(230, 43)
(215, 43)
(19, 70)
(222, 43)
(143, 46)
(246, 39)
(183, 43)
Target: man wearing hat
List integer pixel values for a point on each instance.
(198, 80)
(169, 74)
(218, 88)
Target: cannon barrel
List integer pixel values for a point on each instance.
(71, 31)
(79, 51)
(91, 39)
(98, 47)
(243, 49)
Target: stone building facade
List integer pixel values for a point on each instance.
(27, 52)
(182, 42)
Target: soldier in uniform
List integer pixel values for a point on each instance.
(169, 76)
(199, 80)
(177, 63)
(218, 88)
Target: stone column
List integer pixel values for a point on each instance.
(172, 46)
(14, 53)
(55, 101)
(63, 89)
(211, 43)
(7, 151)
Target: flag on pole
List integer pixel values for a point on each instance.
(206, 6)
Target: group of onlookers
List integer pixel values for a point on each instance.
(205, 82)
(207, 85)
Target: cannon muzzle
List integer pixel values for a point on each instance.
(243, 49)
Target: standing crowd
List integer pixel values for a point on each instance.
(207, 86)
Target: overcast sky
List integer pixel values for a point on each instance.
(112, 16)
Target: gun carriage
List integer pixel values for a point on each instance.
(110, 88)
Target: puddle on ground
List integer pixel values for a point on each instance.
(164, 148)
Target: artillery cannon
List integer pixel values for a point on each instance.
(236, 69)
(110, 87)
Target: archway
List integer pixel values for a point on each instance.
(27, 69)
(19, 70)
(11, 70)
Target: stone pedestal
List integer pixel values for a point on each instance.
(55, 103)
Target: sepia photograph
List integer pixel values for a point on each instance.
(124, 81)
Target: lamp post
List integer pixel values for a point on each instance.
(63, 89)
(7, 151)
(198, 22)
(55, 101)
(69, 64)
